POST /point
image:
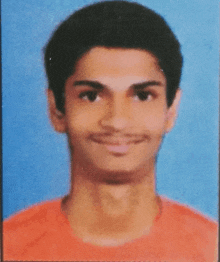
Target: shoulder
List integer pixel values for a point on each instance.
(38, 213)
(192, 231)
(32, 211)
(29, 225)
(187, 216)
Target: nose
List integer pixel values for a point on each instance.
(117, 117)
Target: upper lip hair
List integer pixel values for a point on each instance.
(117, 141)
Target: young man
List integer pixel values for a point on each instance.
(113, 70)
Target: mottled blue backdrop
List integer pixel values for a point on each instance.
(36, 159)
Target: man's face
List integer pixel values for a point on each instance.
(116, 111)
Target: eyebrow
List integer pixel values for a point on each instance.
(93, 84)
(146, 84)
(99, 86)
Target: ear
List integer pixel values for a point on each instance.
(173, 111)
(57, 118)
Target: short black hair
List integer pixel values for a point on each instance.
(117, 24)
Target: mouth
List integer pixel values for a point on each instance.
(118, 149)
(117, 145)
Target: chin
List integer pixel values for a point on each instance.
(117, 170)
(117, 178)
(120, 176)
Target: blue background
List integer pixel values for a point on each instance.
(36, 159)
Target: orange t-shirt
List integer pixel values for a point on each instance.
(43, 233)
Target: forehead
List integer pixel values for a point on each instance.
(118, 65)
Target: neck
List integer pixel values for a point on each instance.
(111, 214)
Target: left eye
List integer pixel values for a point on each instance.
(90, 96)
(143, 96)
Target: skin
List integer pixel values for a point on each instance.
(116, 116)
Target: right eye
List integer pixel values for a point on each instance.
(91, 96)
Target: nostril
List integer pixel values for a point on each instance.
(117, 114)
(115, 123)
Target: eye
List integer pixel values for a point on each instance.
(90, 96)
(143, 96)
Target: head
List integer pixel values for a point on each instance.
(114, 70)
(118, 24)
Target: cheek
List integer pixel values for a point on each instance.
(153, 121)
(155, 128)
(80, 120)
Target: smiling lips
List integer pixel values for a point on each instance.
(118, 145)
(120, 149)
